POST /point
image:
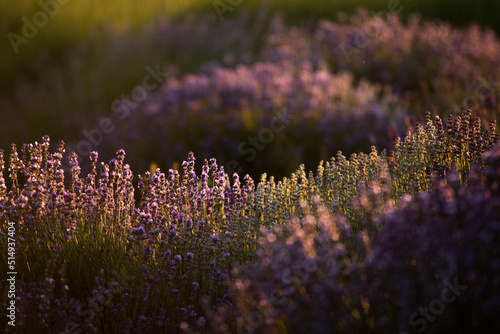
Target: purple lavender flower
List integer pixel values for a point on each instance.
(168, 253)
(120, 154)
(148, 251)
(201, 322)
(138, 231)
(94, 156)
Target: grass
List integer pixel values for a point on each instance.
(75, 22)
(78, 21)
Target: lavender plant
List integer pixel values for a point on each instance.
(432, 63)
(430, 151)
(432, 266)
(104, 253)
(80, 237)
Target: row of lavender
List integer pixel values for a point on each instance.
(265, 118)
(429, 65)
(430, 264)
(103, 253)
(344, 85)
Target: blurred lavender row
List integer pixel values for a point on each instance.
(349, 85)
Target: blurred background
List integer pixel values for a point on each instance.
(262, 86)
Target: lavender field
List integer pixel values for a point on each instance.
(253, 173)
